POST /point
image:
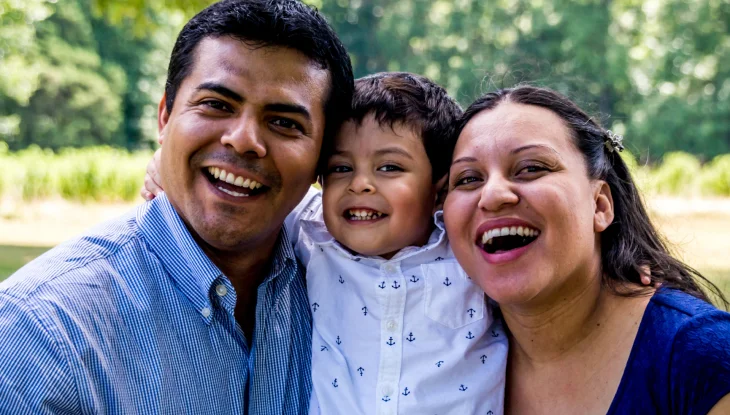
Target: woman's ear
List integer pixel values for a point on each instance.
(440, 189)
(604, 214)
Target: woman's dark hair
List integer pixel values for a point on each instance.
(631, 243)
(261, 23)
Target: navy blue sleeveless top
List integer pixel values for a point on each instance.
(680, 360)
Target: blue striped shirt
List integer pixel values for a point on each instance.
(133, 318)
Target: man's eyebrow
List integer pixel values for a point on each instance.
(220, 89)
(290, 108)
(393, 150)
(534, 146)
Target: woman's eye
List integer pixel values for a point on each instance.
(389, 168)
(465, 180)
(531, 169)
(287, 124)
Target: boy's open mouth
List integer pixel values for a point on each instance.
(363, 214)
(236, 186)
(507, 238)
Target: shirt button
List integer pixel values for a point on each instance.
(205, 312)
(391, 325)
(221, 290)
(386, 390)
(389, 268)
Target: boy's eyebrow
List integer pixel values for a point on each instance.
(393, 150)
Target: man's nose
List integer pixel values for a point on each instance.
(497, 193)
(245, 136)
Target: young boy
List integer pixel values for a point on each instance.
(398, 327)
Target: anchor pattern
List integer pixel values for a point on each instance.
(359, 295)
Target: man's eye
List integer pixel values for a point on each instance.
(389, 168)
(217, 105)
(287, 124)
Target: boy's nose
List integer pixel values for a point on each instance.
(361, 184)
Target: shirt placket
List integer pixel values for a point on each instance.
(391, 293)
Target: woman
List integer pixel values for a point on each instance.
(585, 336)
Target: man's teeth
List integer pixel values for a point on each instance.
(488, 236)
(230, 178)
(360, 214)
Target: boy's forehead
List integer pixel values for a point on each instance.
(372, 133)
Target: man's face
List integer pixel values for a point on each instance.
(241, 144)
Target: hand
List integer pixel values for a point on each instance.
(152, 180)
(645, 272)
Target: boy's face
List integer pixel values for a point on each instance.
(378, 195)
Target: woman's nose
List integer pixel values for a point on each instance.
(497, 193)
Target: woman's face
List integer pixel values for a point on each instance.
(522, 214)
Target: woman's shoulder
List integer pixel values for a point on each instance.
(681, 355)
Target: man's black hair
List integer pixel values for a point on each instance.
(261, 23)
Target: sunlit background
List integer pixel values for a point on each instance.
(80, 81)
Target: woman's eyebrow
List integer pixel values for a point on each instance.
(535, 146)
(464, 160)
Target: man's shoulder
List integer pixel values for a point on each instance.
(81, 260)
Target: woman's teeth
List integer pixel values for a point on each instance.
(229, 178)
(361, 214)
(488, 236)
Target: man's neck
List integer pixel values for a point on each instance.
(246, 269)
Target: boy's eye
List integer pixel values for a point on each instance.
(340, 169)
(389, 168)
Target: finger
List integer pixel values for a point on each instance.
(150, 186)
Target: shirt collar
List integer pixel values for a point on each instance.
(188, 266)
(317, 231)
(283, 257)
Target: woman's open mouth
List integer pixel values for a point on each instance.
(499, 240)
(230, 184)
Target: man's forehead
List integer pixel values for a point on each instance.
(274, 69)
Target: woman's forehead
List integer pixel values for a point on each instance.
(511, 125)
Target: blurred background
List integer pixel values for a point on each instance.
(80, 81)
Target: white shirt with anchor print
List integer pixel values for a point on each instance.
(409, 335)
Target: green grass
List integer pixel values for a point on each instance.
(14, 257)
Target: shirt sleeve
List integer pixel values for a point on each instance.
(306, 209)
(34, 375)
(700, 367)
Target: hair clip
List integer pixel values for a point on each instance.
(613, 142)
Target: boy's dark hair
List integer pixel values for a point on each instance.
(631, 243)
(415, 102)
(261, 23)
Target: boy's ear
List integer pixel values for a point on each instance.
(440, 189)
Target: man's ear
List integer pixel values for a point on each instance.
(440, 189)
(604, 214)
(163, 116)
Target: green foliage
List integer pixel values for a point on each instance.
(715, 178)
(676, 173)
(102, 174)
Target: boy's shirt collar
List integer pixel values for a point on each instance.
(317, 231)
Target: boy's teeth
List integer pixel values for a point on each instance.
(230, 178)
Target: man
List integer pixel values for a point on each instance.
(194, 303)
